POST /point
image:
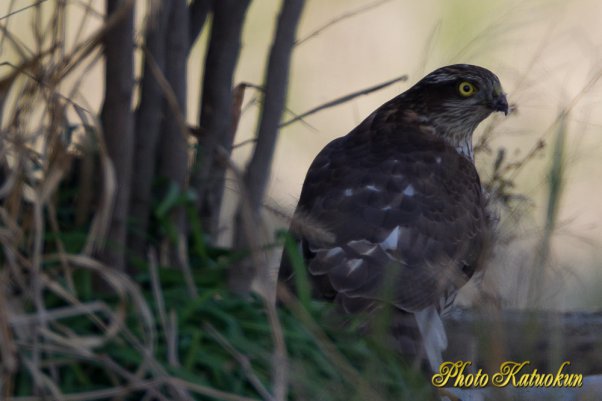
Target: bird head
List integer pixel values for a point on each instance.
(456, 99)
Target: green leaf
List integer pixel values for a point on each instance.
(169, 201)
(301, 280)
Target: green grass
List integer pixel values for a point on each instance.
(215, 341)
(207, 337)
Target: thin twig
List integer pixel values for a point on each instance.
(280, 363)
(22, 9)
(340, 18)
(84, 20)
(344, 99)
(10, 7)
(348, 371)
(241, 359)
(250, 228)
(291, 112)
(36, 280)
(208, 391)
(84, 48)
(88, 8)
(243, 143)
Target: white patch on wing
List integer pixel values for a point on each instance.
(353, 264)
(370, 250)
(372, 188)
(409, 191)
(333, 252)
(348, 192)
(390, 243)
(363, 247)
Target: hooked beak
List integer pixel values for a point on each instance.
(499, 103)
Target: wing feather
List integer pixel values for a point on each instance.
(405, 210)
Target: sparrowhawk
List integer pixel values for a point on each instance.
(402, 201)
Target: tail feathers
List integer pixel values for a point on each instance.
(434, 339)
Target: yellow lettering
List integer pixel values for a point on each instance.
(577, 380)
(508, 371)
(461, 379)
(447, 370)
(547, 381)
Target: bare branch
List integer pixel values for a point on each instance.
(344, 99)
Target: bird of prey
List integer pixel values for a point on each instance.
(403, 205)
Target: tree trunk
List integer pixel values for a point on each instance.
(258, 170)
(118, 124)
(215, 115)
(173, 149)
(148, 122)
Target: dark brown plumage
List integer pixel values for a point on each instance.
(403, 201)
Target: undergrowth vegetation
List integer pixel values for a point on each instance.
(109, 336)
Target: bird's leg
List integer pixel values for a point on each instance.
(433, 335)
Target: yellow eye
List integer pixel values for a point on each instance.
(467, 89)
